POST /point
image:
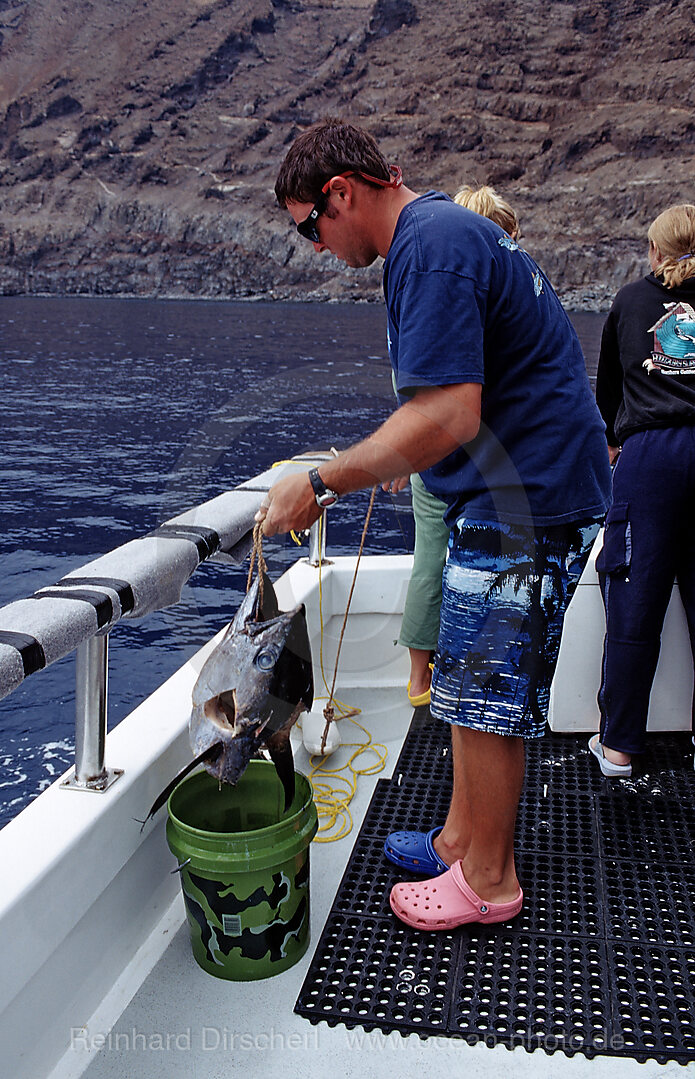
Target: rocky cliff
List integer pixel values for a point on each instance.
(139, 139)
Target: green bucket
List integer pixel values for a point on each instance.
(245, 870)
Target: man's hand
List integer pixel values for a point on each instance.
(289, 504)
(396, 486)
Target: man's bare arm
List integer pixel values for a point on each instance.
(435, 422)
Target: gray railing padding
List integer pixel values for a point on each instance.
(142, 576)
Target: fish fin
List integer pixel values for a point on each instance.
(292, 686)
(298, 645)
(280, 749)
(269, 608)
(246, 612)
(251, 610)
(208, 755)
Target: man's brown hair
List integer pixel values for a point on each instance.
(327, 148)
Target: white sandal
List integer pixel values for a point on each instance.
(607, 767)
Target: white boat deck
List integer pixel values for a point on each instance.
(156, 1013)
(183, 1022)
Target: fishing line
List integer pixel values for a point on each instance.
(332, 803)
(394, 506)
(329, 711)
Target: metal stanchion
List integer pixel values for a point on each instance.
(91, 675)
(317, 541)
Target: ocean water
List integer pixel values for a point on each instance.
(117, 414)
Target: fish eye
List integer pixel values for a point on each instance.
(266, 660)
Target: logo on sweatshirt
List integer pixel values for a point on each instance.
(512, 245)
(673, 351)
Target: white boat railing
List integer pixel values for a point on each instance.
(142, 576)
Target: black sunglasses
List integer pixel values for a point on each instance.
(309, 229)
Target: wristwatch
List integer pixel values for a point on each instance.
(324, 496)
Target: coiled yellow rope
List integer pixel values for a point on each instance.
(333, 802)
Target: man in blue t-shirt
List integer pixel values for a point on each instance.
(497, 416)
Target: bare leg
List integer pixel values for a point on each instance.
(420, 673)
(488, 777)
(454, 839)
(615, 756)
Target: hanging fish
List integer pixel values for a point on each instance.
(250, 691)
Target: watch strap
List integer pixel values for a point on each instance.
(324, 496)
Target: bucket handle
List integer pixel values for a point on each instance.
(180, 867)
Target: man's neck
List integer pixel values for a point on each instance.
(389, 205)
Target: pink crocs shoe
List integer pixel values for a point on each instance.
(447, 901)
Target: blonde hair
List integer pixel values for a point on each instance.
(485, 201)
(673, 233)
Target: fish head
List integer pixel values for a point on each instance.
(253, 685)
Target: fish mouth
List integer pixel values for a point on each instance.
(221, 710)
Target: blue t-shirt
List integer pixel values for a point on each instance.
(466, 304)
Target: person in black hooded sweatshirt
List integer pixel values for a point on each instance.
(645, 391)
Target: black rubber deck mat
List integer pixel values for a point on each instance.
(601, 959)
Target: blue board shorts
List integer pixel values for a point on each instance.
(505, 590)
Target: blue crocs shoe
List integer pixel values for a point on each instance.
(415, 851)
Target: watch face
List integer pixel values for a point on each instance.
(327, 499)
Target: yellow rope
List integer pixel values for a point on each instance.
(332, 803)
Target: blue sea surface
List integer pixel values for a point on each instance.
(116, 415)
